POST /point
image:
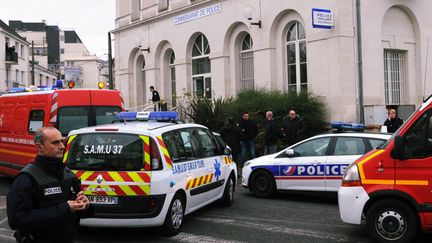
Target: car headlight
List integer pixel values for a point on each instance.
(351, 176)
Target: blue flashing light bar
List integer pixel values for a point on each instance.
(148, 116)
(348, 126)
(164, 116)
(17, 90)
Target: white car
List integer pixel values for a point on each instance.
(150, 172)
(314, 164)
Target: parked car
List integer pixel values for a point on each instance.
(314, 164)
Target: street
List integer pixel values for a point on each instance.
(289, 217)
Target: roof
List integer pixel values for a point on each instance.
(357, 134)
(134, 127)
(5, 27)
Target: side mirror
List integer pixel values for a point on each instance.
(291, 153)
(227, 151)
(398, 151)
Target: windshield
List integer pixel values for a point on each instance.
(75, 117)
(106, 151)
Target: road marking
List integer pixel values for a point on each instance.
(192, 238)
(278, 229)
(251, 219)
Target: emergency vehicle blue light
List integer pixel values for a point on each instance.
(164, 116)
(126, 116)
(17, 90)
(347, 126)
(44, 88)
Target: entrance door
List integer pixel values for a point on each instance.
(202, 87)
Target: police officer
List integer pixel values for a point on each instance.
(45, 202)
(155, 98)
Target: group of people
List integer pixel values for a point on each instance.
(241, 137)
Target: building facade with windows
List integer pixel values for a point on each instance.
(359, 56)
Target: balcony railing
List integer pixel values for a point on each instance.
(11, 56)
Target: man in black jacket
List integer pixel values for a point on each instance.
(45, 201)
(231, 135)
(249, 130)
(271, 134)
(292, 129)
(392, 122)
(155, 98)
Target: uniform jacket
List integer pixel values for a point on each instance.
(271, 133)
(40, 207)
(231, 134)
(249, 129)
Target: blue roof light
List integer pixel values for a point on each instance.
(17, 90)
(148, 116)
(164, 116)
(126, 116)
(347, 126)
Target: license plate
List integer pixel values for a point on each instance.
(103, 199)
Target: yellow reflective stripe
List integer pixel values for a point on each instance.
(32, 155)
(135, 177)
(164, 150)
(190, 183)
(412, 183)
(360, 164)
(127, 190)
(380, 182)
(146, 189)
(108, 192)
(146, 140)
(115, 176)
(86, 175)
(65, 156)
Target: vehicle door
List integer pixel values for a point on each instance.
(305, 169)
(414, 173)
(345, 151)
(217, 167)
(189, 169)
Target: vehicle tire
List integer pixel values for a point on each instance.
(391, 221)
(228, 194)
(174, 218)
(263, 184)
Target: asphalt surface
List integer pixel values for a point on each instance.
(288, 217)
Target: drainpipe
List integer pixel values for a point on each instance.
(359, 61)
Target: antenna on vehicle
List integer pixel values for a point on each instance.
(426, 67)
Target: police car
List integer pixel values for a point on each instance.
(149, 170)
(314, 164)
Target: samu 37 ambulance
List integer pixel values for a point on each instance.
(24, 111)
(150, 172)
(390, 188)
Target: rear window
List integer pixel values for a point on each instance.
(107, 152)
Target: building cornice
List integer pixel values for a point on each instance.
(163, 15)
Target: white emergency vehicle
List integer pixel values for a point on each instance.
(314, 164)
(149, 170)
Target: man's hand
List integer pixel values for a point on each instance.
(81, 198)
(76, 206)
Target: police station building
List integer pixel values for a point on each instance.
(359, 56)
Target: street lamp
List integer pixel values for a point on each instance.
(248, 14)
(137, 43)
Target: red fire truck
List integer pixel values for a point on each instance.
(390, 189)
(22, 113)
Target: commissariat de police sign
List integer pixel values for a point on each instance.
(217, 8)
(322, 18)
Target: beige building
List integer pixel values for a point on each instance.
(359, 56)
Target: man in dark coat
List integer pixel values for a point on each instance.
(155, 98)
(249, 130)
(45, 201)
(392, 122)
(270, 135)
(292, 129)
(231, 135)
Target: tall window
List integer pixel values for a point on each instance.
(395, 77)
(173, 80)
(296, 57)
(247, 64)
(201, 67)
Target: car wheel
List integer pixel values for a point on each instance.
(174, 218)
(391, 221)
(263, 184)
(228, 194)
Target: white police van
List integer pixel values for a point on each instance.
(314, 164)
(150, 173)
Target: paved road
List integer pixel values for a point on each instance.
(289, 217)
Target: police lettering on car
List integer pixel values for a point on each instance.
(315, 164)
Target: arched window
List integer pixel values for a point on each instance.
(296, 57)
(173, 79)
(246, 64)
(201, 67)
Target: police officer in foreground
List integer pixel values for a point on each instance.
(45, 203)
